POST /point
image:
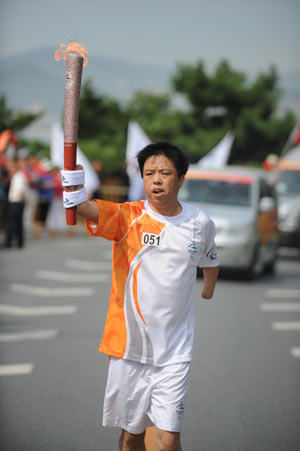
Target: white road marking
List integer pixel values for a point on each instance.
(37, 311)
(295, 352)
(286, 325)
(30, 335)
(16, 369)
(71, 277)
(87, 266)
(290, 251)
(280, 307)
(52, 292)
(283, 293)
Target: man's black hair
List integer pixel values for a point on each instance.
(174, 153)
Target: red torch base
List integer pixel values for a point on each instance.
(70, 165)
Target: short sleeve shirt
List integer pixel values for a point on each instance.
(151, 311)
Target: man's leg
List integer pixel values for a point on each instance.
(132, 442)
(168, 441)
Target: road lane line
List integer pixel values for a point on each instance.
(286, 325)
(71, 277)
(87, 265)
(37, 311)
(30, 335)
(52, 292)
(283, 293)
(280, 307)
(295, 352)
(16, 369)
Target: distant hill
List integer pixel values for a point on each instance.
(36, 79)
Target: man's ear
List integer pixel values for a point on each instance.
(181, 180)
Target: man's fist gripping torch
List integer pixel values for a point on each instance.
(76, 57)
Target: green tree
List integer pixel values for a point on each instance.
(14, 120)
(163, 122)
(228, 100)
(102, 128)
(17, 121)
(214, 103)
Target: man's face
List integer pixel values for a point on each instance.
(161, 183)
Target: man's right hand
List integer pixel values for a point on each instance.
(86, 209)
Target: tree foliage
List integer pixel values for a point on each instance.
(14, 120)
(102, 128)
(228, 100)
(213, 103)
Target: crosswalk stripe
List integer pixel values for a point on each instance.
(87, 265)
(286, 325)
(283, 293)
(52, 292)
(295, 352)
(37, 311)
(30, 335)
(280, 307)
(71, 277)
(16, 369)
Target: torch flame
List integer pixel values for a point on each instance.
(73, 47)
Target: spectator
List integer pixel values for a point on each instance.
(4, 187)
(45, 189)
(17, 196)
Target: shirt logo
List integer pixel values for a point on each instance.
(180, 409)
(68, 202)
(212, 254)
(192, 248)
(64, 181)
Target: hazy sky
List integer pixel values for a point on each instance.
(251, 34)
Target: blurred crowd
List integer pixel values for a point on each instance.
(30, 198)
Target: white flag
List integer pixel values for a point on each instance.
(136, 141)
(219, 155)
(57, 158)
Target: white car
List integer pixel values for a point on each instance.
(243, 205)
(287, 176)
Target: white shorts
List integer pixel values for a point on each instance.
(138, 396)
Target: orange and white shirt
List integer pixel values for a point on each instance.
(151, 311)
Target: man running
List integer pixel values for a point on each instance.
(149, 331)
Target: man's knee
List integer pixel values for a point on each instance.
(168, 441)
(132, 441)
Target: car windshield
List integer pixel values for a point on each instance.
(288, 182)
(216, 192)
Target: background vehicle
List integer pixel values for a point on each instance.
(243, 205)
(288, 189)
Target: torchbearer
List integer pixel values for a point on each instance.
(149, 330)
(76, 57)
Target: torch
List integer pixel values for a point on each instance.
(75, 56)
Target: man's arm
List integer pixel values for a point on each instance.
(210, 276)
(88, 210)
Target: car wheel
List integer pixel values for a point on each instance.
(270, 267)
(256, 268)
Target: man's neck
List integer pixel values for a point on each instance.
(167, 210)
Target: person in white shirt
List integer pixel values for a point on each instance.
(17, 196)
(149, 331)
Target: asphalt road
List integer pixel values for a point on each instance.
(245, 387)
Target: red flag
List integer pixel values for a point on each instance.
(7, 137)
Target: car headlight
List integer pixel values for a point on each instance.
(289, 221)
